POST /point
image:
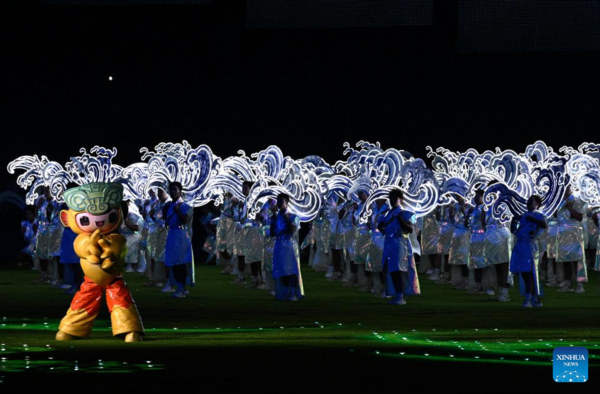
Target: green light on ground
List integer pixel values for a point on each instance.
(38, 359)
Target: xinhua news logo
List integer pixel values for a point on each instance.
(570, 365)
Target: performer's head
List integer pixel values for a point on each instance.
(282, 201)
(568, 192)
(534, 203)
(94, 206)
(175, 190)
(479, 196)
(47, 194)
(29, 214)
(162, 195)
(396, 197)
(362, 195)
(246, 187)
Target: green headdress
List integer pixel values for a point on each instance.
(95, 198)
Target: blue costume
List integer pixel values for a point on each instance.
(286, 259)
(397, 252)
(525, 256)
(178, 248)
(73, 273)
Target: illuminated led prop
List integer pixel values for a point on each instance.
(377, 172)
(541, 172)
(460, 173)
(175, 162)
(583, 168)
(39, 172)
(275, 174)
(95, 166)
(508, 178)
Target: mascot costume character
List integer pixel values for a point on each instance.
(95, 215)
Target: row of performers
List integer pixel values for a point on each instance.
(459, 243)
(150, 250)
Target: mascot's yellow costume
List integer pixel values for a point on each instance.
(95, 214)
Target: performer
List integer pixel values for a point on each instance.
(49, 236)
(496, 252)
(375, 256)
(149, 205)
(444, 216)
(178, 248)
(477, 261)
(548, 245)
(269, 244)
(95, 214)
(459, 247)
(28, 227)
(286, 259)
(161, 274)
(397, 262)
(73, 274)
(525, 256)
(362, 243)
(238, 217)
(570, 245)
(226, 235)
(592, 237)
(336, 242)
(430, 243)
(253, 247)
(130, 229)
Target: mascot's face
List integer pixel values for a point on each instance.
(84, 222)
(93, 206)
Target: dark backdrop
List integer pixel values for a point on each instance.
(196, 72)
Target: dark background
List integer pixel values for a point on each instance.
(196, 72)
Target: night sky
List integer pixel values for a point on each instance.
(196, 73)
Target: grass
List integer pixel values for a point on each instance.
(224, 336)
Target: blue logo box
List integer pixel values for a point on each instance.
(570, 365)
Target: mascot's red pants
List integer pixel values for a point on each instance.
(86, 305)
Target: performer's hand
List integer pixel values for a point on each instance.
(108, 257)
(89, 248)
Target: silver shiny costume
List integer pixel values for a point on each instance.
(430, 235)
(461, 238)
(161, 233)
(339, 227)
(226, 228)
(318, 241)
(498, 241)
(133, 237)
(151, 225)
(446, 223)
(346, 230)
(375, 255)
(592, 234)
(569, 240)
(477, 241)
(50, 229)
(548, 238)
(362, 237)
(253, 238)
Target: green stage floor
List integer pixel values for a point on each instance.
(225, 336)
